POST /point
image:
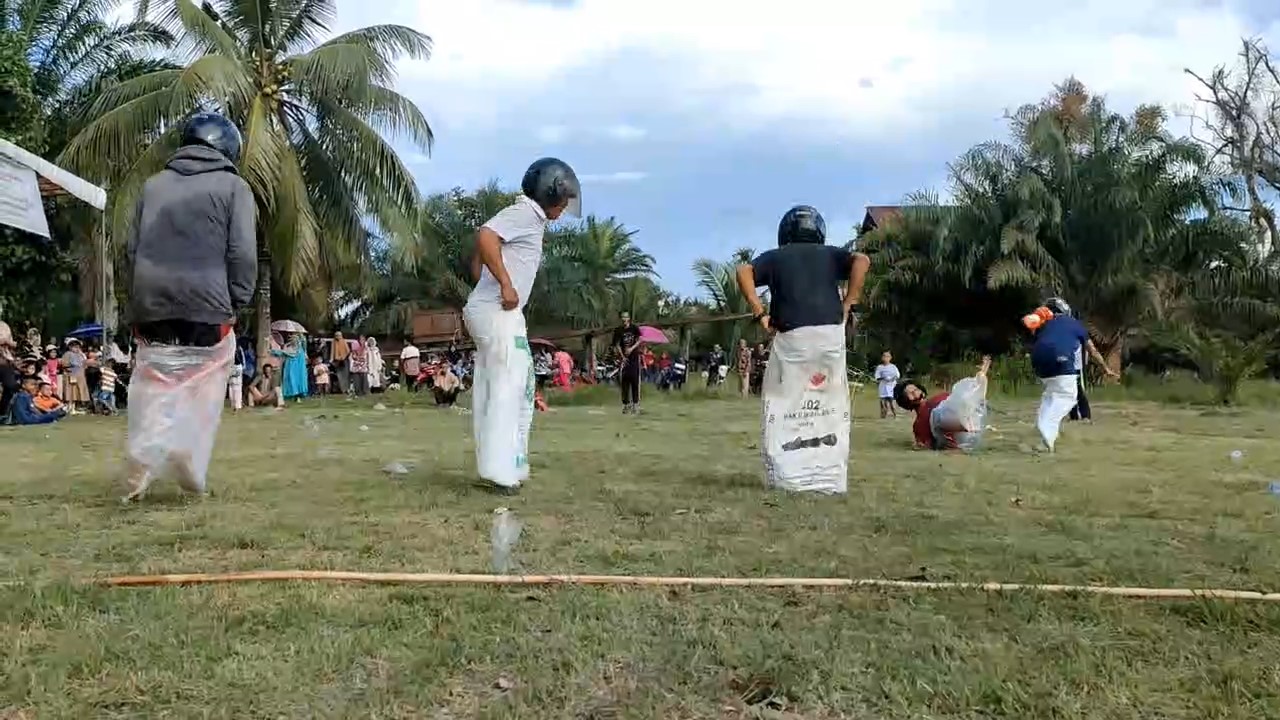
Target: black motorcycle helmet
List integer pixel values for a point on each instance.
(215, 131)
(1058, 306)
(549, 182)
(802, 224)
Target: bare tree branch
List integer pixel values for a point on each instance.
(1241, 129)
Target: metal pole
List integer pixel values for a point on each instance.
(102, 259)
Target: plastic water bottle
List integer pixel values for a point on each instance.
(503, 537)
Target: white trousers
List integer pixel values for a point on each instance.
(1056, 401)
(235, 388)
(501, 394)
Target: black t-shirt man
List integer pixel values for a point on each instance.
(624, 338)
(804, 284)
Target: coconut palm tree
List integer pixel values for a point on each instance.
(442, 250)
(718, 282)
(72, 44)
(430, 268)
(584, 271)
(72, 49)
(313, 113)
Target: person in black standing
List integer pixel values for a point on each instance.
(626, 345)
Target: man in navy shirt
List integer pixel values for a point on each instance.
(806, 416)
(1057, 358)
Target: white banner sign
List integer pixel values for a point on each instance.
(20, 204)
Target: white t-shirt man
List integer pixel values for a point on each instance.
(887, 377)
(521, 226)
(410, 360)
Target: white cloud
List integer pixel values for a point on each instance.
(552, 133)
(624, 132)
(860, 68)
(613, 177)
(621, 132)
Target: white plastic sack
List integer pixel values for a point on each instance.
(175, 405)
(963, 414)
(805, 424)
(502, 394)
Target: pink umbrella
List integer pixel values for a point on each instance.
(651, 334)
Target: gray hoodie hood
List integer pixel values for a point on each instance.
(198, 159)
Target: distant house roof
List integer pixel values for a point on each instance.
(877, 215)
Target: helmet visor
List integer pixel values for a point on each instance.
(567, 184)
(574, 208)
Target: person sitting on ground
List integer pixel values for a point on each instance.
(266, 389)
(24, 410)
(445, 386)
(45, 400)
(911, 396)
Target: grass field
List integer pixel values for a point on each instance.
(1147, 496)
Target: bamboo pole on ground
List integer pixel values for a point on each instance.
(387, 578)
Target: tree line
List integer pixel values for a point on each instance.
(1164, 243)
(1142, 231)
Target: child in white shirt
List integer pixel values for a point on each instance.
(887, 376)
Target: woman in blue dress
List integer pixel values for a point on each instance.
(294, 370)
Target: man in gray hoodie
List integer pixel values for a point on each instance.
(192, 258)
(192, 265)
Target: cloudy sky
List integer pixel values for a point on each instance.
(699, 122)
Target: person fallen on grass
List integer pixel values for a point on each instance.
(24, 410)
(806, 412)
(508, 253)
(191, 264)
(927, 433)
(887, 377)
(1057, 358)
(266, 389)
